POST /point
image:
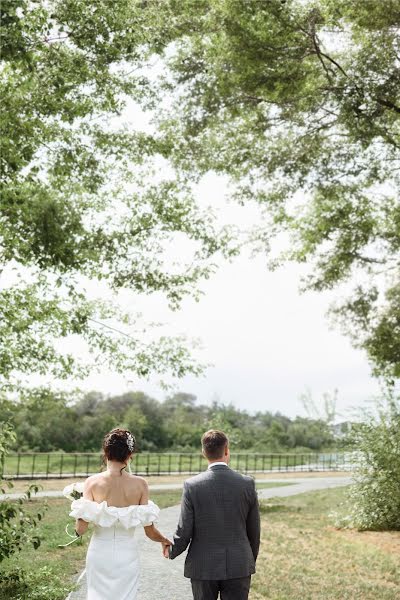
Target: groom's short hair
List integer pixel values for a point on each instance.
(213, 443)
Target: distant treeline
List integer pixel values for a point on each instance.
(46, 421)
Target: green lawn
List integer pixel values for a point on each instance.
(304, 557)
(272, 484)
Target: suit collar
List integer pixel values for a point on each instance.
(217, 467)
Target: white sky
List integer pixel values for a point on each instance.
(266, 341)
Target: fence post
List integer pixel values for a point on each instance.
(33, 464)
(148, 464)
(180, 464)
(255, 463)
(87, 463)
(169, 463)
(47, 466)
(190, 463)
(18, 463)
(61, 465)
(159, 464)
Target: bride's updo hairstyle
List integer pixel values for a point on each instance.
(118, 444)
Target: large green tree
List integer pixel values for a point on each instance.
(84, 196)
(298, 102)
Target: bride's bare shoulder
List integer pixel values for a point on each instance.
(93, 480)
(138, 480)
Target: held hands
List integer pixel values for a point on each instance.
(165, 548)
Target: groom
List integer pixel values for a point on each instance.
(220, 520)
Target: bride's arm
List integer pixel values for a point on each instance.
(150, 530)
(81, 525)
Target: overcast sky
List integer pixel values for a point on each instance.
(267, 342)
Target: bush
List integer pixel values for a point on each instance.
(40, 584)
(375, 497)
(17, 527)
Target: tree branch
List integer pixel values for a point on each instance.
(388, 104)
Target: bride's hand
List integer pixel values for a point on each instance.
(165, 548)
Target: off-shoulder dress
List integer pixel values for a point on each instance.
(112, 560)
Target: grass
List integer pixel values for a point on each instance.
(271, 484)
(62, 564)
(303, 556)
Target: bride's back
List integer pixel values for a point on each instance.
(117, 489)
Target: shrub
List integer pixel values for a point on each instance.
(375, 497)
(17, 527)
(40, 584)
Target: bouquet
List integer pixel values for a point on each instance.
(74, 491)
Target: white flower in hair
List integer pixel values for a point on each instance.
(130, 442)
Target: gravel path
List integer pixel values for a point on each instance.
(162, 579)
(179, 486)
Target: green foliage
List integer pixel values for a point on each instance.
(17, 526)
(48, 421)
(84, 196)
(298, 103)
(375, 498)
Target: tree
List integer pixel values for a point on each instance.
(298, 102)
(82, 198)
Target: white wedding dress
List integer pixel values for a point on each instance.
(112, 560)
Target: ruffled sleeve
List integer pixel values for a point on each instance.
(103, 515)
(148, 513)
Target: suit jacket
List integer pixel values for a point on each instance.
(220, 520)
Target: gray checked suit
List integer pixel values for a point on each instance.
(220, 523)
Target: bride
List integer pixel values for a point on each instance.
(115, 502)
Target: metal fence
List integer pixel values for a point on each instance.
(42, 465)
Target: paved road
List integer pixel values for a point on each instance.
(162, 579)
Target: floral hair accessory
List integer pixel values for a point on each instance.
(130, 441)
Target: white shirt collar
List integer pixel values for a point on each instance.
(219, 462)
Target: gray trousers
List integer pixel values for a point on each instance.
(230, 589)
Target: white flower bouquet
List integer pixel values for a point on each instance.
(74, 491)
